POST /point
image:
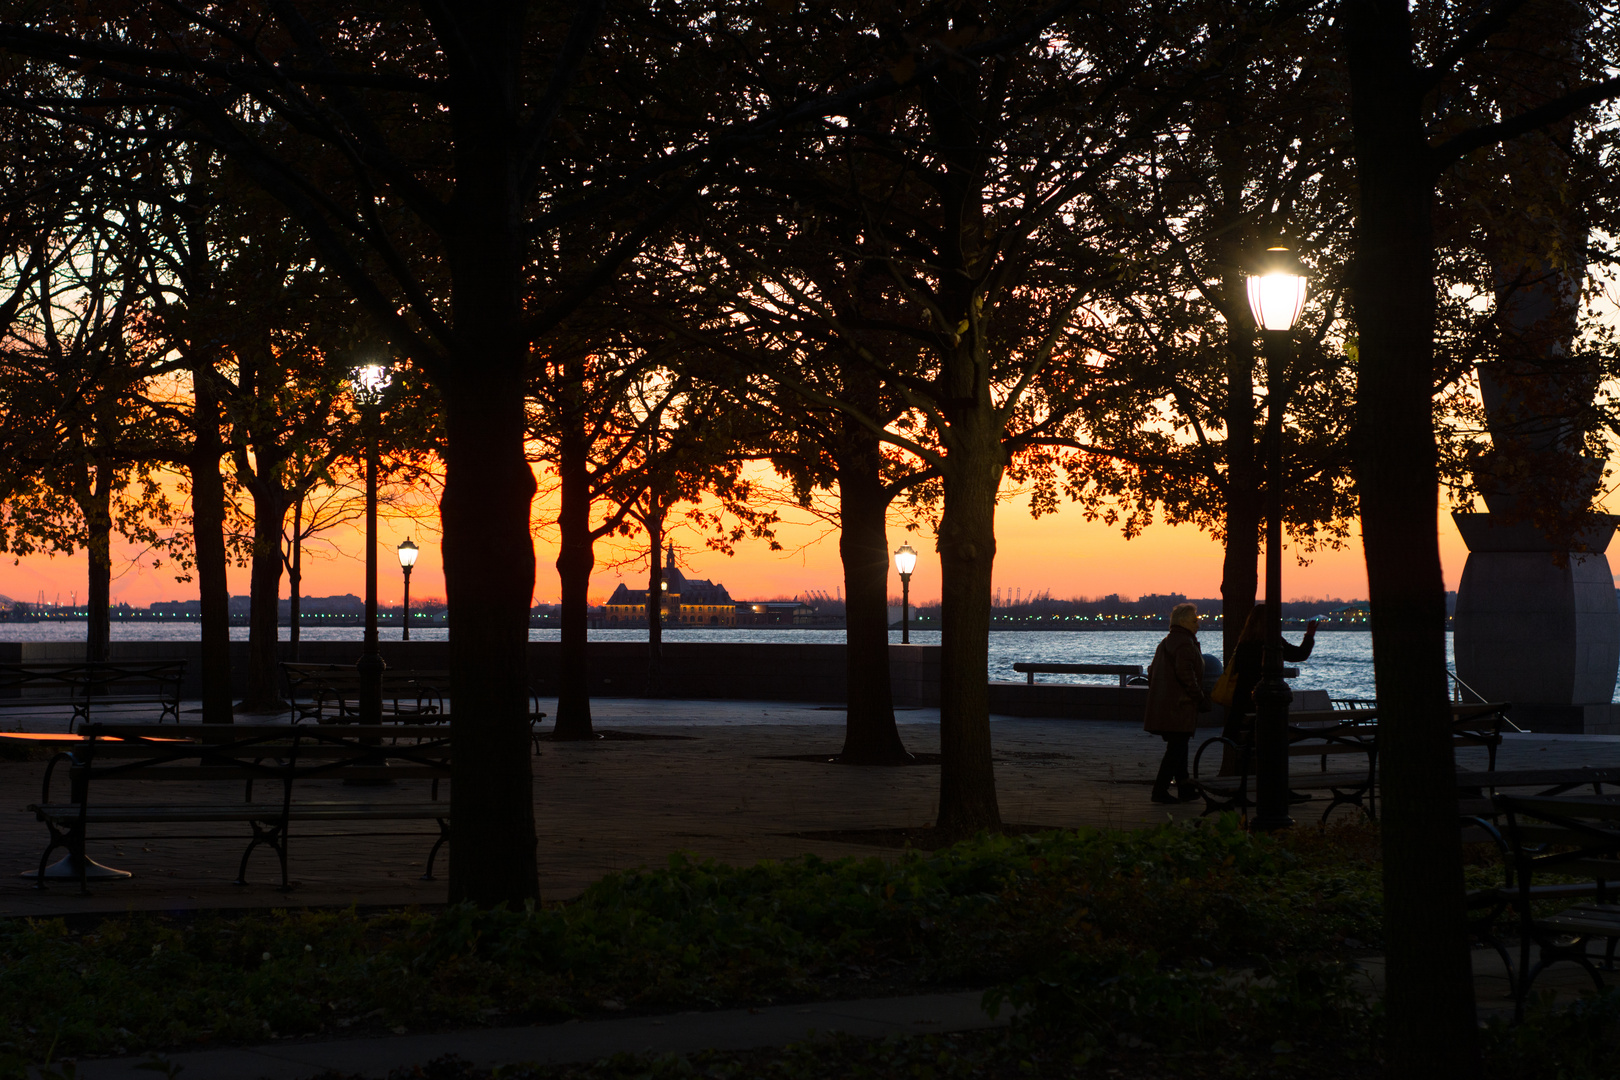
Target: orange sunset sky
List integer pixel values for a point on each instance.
(1061, 552)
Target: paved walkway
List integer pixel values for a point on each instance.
(721, 791)
(730, 1029)
(562, 1044)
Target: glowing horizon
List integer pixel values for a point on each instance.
(1061, 552)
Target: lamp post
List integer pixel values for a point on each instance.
(370, 381)
(1276, 297)
(407, 559)
(905, 561)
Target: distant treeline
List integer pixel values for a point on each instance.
(1145, 612)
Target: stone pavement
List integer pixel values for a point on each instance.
(721, 791)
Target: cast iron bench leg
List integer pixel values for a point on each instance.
(276, 837)
(444, 834)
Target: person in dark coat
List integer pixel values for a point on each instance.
(1175, 698)
(1249, 662)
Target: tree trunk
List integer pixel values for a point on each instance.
(208, 535)
(295, 577)
(575, 561)
(264, 596)
(870, 734)
(655, 595)
(1429, 996)
(489, 579)
(1239, 568)
(98, 519)
(967, 550)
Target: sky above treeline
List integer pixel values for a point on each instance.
(1061, 553)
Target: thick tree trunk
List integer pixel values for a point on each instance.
(264, 599)
(295, 577)
(1429, 996)
(575, 561)
(967, 551)
(489, 579)
(489, 487)
(98, 519)
(208, 536)
(655, 596)
(870, 734)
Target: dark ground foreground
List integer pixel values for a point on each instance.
(734, 786)
(724, 791)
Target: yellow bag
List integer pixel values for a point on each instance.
(1225, 687)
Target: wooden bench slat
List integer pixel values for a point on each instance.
(116, 813)
(304, 733)
(271, 774)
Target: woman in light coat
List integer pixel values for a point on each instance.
(1175, 698)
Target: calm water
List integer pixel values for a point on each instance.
(1341, 664)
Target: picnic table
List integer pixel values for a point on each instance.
(288, 759)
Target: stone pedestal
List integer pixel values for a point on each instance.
(1539, 627)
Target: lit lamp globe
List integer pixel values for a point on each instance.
(1277, 289)
(407, 554)
(369, 381)
(905, 560)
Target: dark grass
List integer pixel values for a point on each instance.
(1137, 933)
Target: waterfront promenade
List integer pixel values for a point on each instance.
(724, 788)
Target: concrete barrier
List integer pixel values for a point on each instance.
(766, 671)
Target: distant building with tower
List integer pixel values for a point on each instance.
(686, 602)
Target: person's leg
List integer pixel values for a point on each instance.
(1167, 769)
(1176, 752)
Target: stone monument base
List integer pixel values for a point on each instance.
(1567, 719)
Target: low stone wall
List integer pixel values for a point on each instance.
(767, 671)
(729, 670)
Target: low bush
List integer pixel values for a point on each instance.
(702, 934)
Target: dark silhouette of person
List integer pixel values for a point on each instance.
(1248, 662)
(1175, 697)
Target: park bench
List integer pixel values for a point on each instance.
(90, 688)
(330, 693)
(1125, 672)
(1322, 734)
(1332, 733)
(1481, 822)
(1568, 836)
(139, 762)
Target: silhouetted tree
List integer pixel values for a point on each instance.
(1396, 91)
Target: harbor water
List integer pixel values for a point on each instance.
(1341, 663)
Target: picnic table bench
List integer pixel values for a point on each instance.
(1564, 835)
(330, 694)
(1481, 820)
(288, 760)
(1319, 734)
(1126, 672)
(95, 686)
(1334, 733)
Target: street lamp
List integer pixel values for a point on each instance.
(1276, 297)
(905, 561)
(370, 381)
(407, 559)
